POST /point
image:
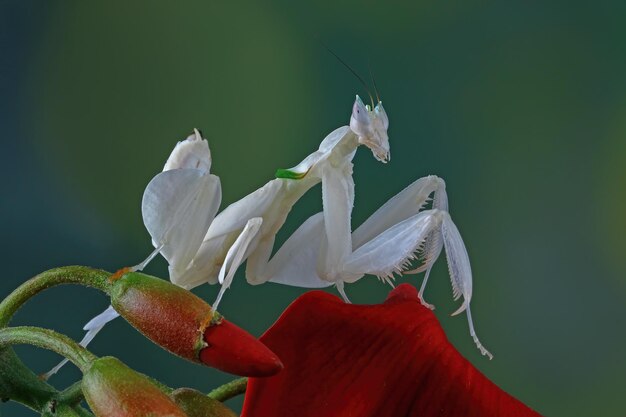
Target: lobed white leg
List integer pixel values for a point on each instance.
(295, 262)
(236, 255)
(92, 327)
(142, 265)
(177, 208)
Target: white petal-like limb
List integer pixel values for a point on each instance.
(236, 255)
(101, 319)
(257, 204)
(92, 327)
(295, 262)
(96, 324)
(205, 267)
(272, 203)
(178, 206)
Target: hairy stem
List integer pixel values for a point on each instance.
(229, 390)
(63, 410)
(18, 383)
(48, 339)
(72, 395)
(81, 412)
(65, 275)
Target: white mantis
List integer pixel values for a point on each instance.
(180, 204)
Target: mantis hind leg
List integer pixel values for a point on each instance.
(92, 327)
(145, 262)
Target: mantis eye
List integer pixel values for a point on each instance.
(360, 114)
(382, 114)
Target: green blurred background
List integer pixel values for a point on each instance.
(520, 106)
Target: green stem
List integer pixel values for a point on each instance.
(67, 403)
(65, 275)
(70, 399)
(64, 410)
(48, 339)
(229, 390)
(19, 383)
(81, 412)
(72, 395)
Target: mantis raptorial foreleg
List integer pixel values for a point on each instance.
(386, 243)
(402, 206)
(384, 228)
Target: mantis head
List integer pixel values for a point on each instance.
(371, 127)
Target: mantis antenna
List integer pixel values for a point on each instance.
(373, 82)
(353, 71)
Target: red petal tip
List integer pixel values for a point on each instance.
(403, 292)
(233, 350)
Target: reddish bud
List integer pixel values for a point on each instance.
(112, 389)
(185, 325)
(197, 404)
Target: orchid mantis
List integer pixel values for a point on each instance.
(180, 204)
(324, 251)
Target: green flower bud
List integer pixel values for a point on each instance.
(112, 389)
(197, 404)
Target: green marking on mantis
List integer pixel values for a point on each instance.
(285, 173)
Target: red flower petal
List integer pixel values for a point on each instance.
(391, 359)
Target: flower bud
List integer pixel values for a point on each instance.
(112, 389)
(185, 325)
(197, 404)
